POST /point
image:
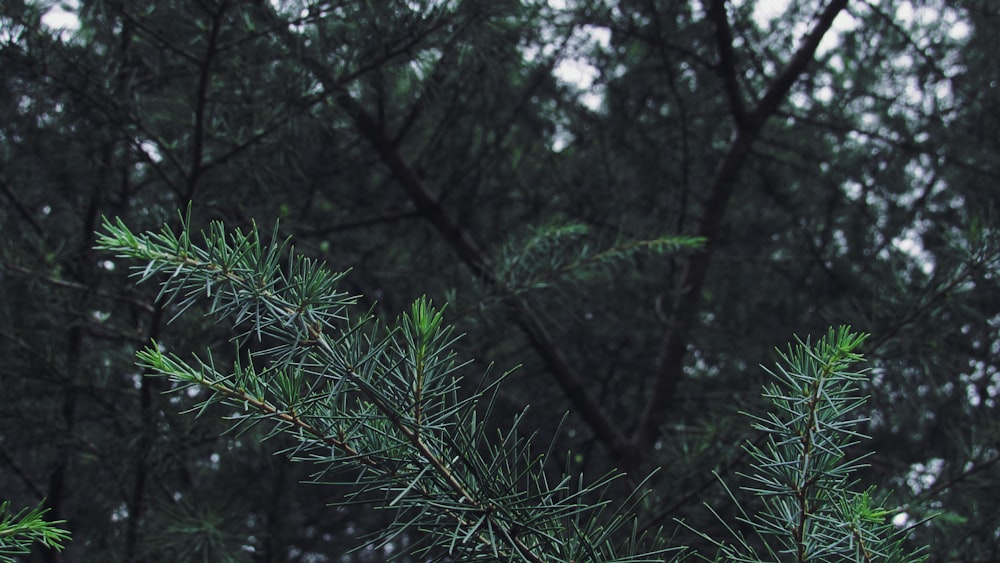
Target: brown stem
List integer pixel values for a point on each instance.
(716, 11)
(21, 209)
(673, 347)
(201, 103)
(140, 473)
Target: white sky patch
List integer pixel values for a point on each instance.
(910, 16)
(574, 69)
(825, 94)
(425, 7)
(581, 75)
(577, 71)
(151, 151)
(843, 23)
(982, 382)
(561, 139)
(910, 243)
(293, 10)
(800, 100)
(599, 35)
(8, 29)
(959, 31)
(922, 476)
(767, 11)
(62, 17)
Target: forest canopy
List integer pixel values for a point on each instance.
(618, 208)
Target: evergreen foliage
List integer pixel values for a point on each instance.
(802, 470)
(563, 256)
(631, 200)
(19, 530)
(382, 409)
(378, 407)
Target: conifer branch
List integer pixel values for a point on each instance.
(380, 404)
(18, 531)
(802, 472)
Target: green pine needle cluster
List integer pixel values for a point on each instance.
(20, 530)
(378, 407)
(802, 470)
(558, 255)
(383, 409)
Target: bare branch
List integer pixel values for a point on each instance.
(716, 11)
(673, 347)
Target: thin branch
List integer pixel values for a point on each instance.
(21, 474)
(781, 85)
(918, 312)
(158, 39)
(930, 60)
(66, 284)
(972, 469)
(21, 209)
(571, 382)
(201, 102)
(715, 478)
(727, 67)
(341, 227)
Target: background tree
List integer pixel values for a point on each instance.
(839, 158)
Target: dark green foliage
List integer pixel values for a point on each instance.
(383, 411)
(802, 471)
(19, 530)
(436, 149)
(380, 409)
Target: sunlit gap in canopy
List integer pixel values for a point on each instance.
(572, 69)
(60, 17)
(304, 9)
(914, 100)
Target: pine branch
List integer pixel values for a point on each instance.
(801, 471)
(381, 405)
(18, 531)
(560, 255)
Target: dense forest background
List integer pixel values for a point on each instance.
(841, 159)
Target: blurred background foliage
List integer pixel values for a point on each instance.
(840, 158)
